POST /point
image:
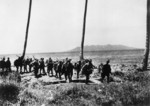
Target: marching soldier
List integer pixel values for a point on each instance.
(106, 70)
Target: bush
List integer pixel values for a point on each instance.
(74, 96)
(28, 98)
(14, 76)
(10, 77)
(140, 77)
(9, 92)
(127, 93)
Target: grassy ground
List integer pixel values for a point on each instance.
(133, 90)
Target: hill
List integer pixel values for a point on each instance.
(103, 48)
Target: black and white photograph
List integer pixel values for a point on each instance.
(74, 52)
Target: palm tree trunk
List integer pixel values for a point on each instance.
(27, 30)
(83, 32)
(146, 53)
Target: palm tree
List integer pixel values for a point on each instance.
(146, 53)
(83, 31)
(27, 30)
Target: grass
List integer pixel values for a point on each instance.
(9, 92)
(9, 88)
(12, 77)
(134, 91)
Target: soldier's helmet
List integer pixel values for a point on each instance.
(107, 61)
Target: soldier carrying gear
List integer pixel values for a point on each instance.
(50, 67)
(42, 66)
(8, 65)
(87, 69)
(36, 68)
(106, 70)
(77, 67)
(68, 70)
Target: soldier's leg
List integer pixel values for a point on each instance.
(52, 72)
(87, 78)
(102, 77)
(77, 74)
(66, 76)
(24, 68)
(40, 71)
(44, 71)
(9, 69)
(59, 75)
(36, 72)
(78, 71)
(17, 68)
(70, 76)
(108, 78)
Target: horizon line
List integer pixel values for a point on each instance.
(46, 52)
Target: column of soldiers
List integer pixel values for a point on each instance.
(60, 67)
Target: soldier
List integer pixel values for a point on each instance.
(87, 69)
(50, 66)
(36, 67)
(63, 68)
(30, 64)
(18, 63)
(3, 64)
(42, 66)
(8, 65)
(59, 69)
(55, 64)
(77, 67)
(106, 70)
(68, 70)
(25, 65)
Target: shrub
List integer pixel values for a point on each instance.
(75, 95)
(10, 77)
(14, 76)
(28, 98)
(127, 93)
(9, 92)
(140, 77)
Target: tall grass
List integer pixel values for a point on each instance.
(9, 87)
(135, 90)
(9, 92)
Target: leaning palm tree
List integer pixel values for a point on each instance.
(27, 30)
(146, 53)
(83, 31)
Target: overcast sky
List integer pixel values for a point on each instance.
(56, 25)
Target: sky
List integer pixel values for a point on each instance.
(56, 25)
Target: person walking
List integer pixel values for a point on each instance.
(106, 70)
(8, 65)
(87, 70)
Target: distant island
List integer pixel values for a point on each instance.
(103, 48)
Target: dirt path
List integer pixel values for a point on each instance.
(46, 80)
